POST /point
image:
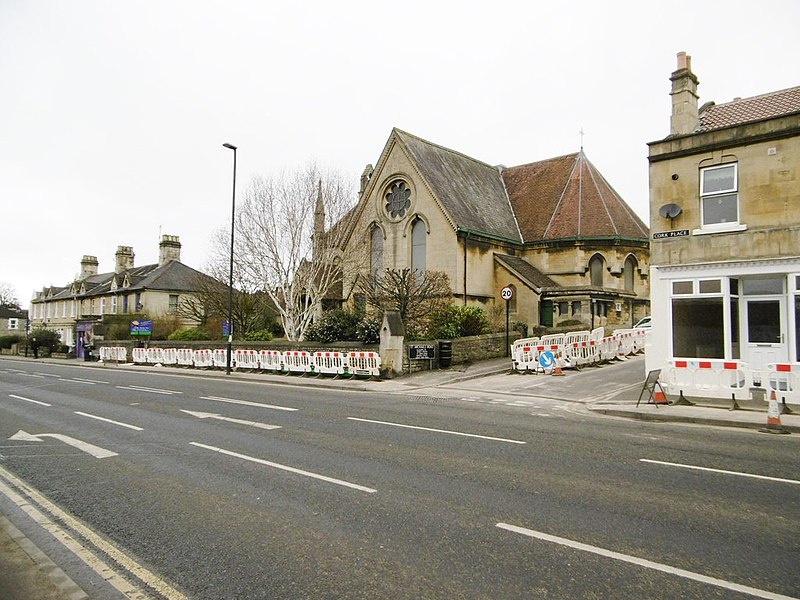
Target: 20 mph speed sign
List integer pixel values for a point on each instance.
(506, 293)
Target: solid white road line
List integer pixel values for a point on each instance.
(46, 374)
(134, 427)
(648, 564)
(722, 471)
(285, 468)
(247, 403)
(473, 435)
(28, 400)
(79, 381)
(89, 380)
(205, 415)
(137, 388)
(25, 496)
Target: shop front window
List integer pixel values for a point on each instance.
(698, 329)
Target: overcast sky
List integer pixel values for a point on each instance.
(113, 114)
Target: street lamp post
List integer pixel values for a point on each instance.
(230, 277)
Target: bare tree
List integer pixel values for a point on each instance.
(288, 240)
(414, 294)
(8, 295)
(252, 309)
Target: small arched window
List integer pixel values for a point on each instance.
(376, 252)
(628, 272)
(419, 242)
(512, 303)
(596, 270)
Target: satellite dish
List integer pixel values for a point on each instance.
(670, 211)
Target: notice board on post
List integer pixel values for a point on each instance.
(421, 351)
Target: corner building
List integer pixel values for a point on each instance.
(725, 217)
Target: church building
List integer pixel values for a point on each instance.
(555, 232)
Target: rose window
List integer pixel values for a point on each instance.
(398, 200)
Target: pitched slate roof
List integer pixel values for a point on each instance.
(471, 192)
(9, 312)
(774, 104)
(567, 198)
(532, 276)
(173, 276)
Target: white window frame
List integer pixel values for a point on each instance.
(13, 324)
(717, 227)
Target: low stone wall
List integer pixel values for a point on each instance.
(465, 350)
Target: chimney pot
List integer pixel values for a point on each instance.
(169, 249)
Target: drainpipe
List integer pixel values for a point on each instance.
(466, 236)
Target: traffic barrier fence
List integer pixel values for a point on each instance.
(330, 363)
(711, 378)
(116, 353)
(204, 359)
(139, 356)
(271, 360)
(364, 364)
(784, 380)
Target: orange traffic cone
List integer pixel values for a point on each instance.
(773, 417)
(557, 367)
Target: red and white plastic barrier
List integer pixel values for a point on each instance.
(364, 363)
(298, 361)
(271, 360)
(711, 378)
(330, 363)
(203, 359)
(784, 380)
(115, 353)
(169, 356)
(139, 356)
(220, 358)
(184, 357)
(155, 355)
(247, 359)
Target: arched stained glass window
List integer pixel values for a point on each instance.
(596, 270)
(419, 242)
(628, 272)
(376, 252)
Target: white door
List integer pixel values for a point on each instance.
(764, 328)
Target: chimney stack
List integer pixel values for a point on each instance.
(685, 116)
(88, 266)
(169, 249)
(124, 257)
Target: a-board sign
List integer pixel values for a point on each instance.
(421, 351)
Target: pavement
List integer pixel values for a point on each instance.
(28, 574)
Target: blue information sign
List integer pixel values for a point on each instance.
(141, 328)
(546, 360)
